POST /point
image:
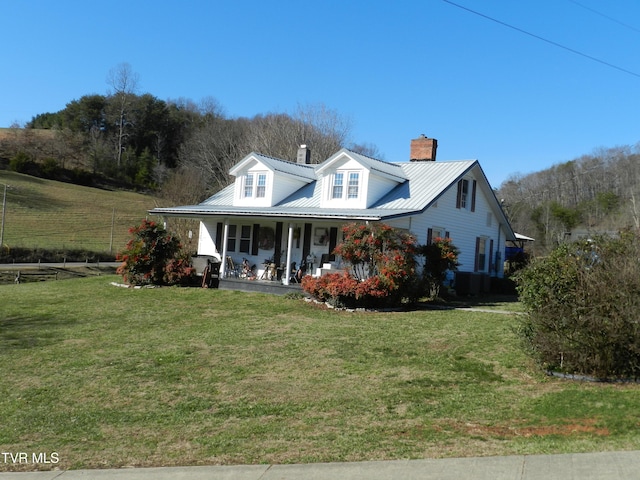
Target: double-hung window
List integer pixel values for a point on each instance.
(352, 190)
(261, 186)
(245, 238)
(466, 197)
(255, 185)
(336, 189)
(248, 185)
(354, 183)
(231, 238)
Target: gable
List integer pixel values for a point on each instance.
(263, 181)
(351, 180)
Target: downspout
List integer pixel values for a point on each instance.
(287, 269)
(225, 236)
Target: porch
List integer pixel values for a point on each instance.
(272, 287)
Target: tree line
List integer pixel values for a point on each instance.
(180, 148)
(599, 192)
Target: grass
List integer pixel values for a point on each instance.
(48, 214)
(112, 377)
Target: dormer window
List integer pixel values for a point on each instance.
(353, 185)
(255, 185)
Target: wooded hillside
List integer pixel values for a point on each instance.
(180, 148)
(595, 193)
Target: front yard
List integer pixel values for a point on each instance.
(111, 377)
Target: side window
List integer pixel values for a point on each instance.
(436, 232)
(466, 196)
(481, 254)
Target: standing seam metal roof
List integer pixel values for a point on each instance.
(426, 181)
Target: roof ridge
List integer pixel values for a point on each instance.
(290, 162)
(373, 158)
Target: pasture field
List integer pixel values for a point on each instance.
(47, 214)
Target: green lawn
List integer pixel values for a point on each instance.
(111, 377)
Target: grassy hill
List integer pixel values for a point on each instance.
(46, 214)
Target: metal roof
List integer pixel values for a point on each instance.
(387, 169)
(426, 182)
(302, 170)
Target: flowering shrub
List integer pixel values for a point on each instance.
(440, 255)
(152, 257)
(381, 268)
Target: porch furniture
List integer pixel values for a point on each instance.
(231, 269)
(269, 272)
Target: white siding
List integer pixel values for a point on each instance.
(378, 187)
(206, 239)
(464, 226)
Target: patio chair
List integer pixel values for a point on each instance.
(231, 269)
(297, 273)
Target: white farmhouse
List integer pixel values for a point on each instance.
(280, 212)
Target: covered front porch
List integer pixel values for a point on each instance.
(263, 249)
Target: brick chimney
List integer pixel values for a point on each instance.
(304, 155)
(423, 149)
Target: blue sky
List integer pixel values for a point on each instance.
(398, 69)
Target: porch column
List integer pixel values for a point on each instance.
(287, 269)
(225, 236)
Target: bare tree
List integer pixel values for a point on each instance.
(124, 84)
(324, 130)
(214, 147)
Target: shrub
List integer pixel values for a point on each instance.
(153, 257)
(380, 268)
(582, 304)
(439, 256)
(49, 168)
(21, 163)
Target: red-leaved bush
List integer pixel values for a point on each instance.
(153, 257)
(381, 269)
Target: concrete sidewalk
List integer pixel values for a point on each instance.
(582, 466)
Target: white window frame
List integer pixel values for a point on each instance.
(353, 186)
(261, 185)
(247, 188)
(254, 185)
(345, 185)
(464, 194)
(337, 186)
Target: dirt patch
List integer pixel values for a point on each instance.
(572, 427)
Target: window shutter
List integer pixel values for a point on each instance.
(255, 241)
(219, 228)
(447, 235)
(459, 196)
(491, 264)
(475, 263)
(429, 236)
(473, 196)
(277, 257)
